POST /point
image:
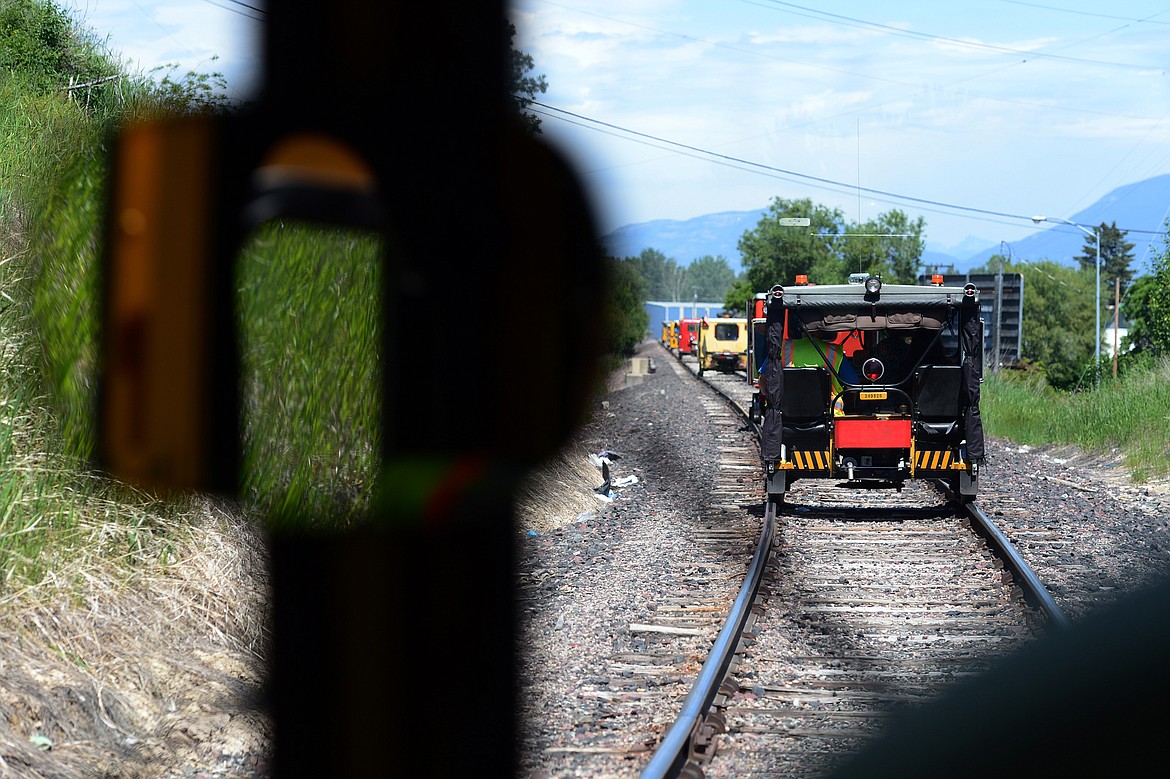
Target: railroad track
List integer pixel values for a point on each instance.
(868, 602)
(659, 650)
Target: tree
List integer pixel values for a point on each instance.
(738, 295)
(890, 246)
(710, 277)
(521, 86)
(775, 254)
(42, 47)
(663, 278)
(1116, 255)
(674, 279)
(192, 93)
(829, 249)
(625, 311)
(1147, 307)
(1057, 321)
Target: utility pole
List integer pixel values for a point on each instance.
(998, 314)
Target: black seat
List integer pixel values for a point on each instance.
(806, 393)
(936, 398)
(936, 391)
(804, 406)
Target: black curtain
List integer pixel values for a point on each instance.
(971, 333)
(774, 384)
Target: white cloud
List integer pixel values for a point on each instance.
(195, 35)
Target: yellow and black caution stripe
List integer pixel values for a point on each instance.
(810, 460)
(933, 459)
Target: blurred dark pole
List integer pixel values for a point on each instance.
(393, 644)
(393, 641)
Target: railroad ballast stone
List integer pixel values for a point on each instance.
(1090, 534)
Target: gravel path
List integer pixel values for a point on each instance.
(588, 568)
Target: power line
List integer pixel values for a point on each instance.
(850, 21)
(752, 166)
(1147, 20)
(864, 75)
(747, 169)
(254, 9)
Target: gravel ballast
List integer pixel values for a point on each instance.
(588, 568)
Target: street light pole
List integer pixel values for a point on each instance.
(1096, 237)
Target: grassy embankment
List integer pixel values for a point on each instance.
(307, 306)
(1130, 415)
(310, 351)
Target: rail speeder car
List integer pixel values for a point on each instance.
(722, 344)
(860, 385)
(688, 336)
(670, 334)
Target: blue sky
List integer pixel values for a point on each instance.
(190, 33)
(1014, 107)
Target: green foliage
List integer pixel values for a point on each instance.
(192, 93)
(662, 278)
(776, 254)
(1147, 307)
(894, 258)
(1131, 414)
(521, 86)
(626, 319)
(1116, 255)
(709, 277)
(47, 52)
(706, 278)
(738, 295)
(1058, 321)
(309, 321)
(830, 248)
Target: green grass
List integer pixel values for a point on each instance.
(309, 313)
(1130, 414)
(309, 319)
(310, 333)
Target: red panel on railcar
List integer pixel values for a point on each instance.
(688, 334)
(872, 433)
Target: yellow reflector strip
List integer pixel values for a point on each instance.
(811, 461)
(933, 459)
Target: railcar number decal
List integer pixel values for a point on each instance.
(873, 396)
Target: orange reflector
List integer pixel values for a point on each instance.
(156, 418)
(802, 279)
(936, 279)
(314, 160)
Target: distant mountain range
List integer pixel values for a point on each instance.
(1143, 205)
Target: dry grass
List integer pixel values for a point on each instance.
(562, 489)
(131, 667)
(133, 632)
(558, 492)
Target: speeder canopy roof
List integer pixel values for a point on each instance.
(838, 307)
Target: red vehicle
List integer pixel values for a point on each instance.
(757, 349)
(688, 336)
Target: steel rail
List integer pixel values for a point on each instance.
(674, 752)
(1035, 592)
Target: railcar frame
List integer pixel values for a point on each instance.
(891, 404)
